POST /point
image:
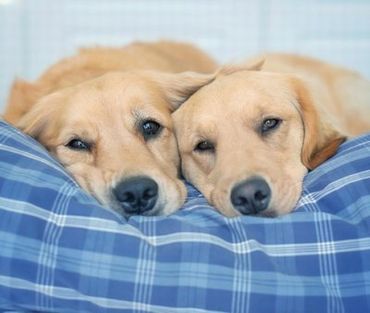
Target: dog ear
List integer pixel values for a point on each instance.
(21, 98)
(181, 86)
(255, 65)
(35, 122)
(321, 140)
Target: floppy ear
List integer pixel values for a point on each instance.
(181, 86)
(21, 98)
(255, 65)
(36, 120)
(321, 140)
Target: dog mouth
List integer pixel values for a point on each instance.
(261, 196)
(270, 213)
(140, 195)
(128, 212)
(137, 196)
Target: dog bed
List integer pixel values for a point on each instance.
(60, 251)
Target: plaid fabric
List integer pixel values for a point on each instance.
(61, 252)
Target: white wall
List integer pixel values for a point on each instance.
(36, 33)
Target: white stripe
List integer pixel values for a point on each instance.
(144, 277)
(340, 161)
(71, 294)
(334, 186)
(247, 246)
(49, 247)
(241, 283)
(56, 166)
(328, 266)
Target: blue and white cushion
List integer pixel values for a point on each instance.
(60, 251)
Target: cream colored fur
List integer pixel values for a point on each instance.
(103, 97)
(318, 104)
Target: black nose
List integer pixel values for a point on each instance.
(137, 194)
(251, 196)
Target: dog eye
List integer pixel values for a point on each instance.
(150, 129)
(270, 124)
(204, 146)
(78, 144)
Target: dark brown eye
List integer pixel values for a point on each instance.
(270, 124)
(204, 146)
(150, 129)
(78, 144)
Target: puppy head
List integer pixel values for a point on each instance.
(114, 134)
(247, 139)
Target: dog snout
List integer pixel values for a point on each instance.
(251, 196)
(137, 195)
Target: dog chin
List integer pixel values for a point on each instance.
(268, 213)
(163, 207)
(114, 205)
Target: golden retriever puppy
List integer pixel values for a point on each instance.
(248, 138)
(112, 130)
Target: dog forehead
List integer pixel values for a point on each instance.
(252, 84)
(240, 92)
(115, 91)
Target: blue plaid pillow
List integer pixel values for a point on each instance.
(60, 251)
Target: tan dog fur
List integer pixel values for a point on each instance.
(318, 104)
(76, 100)
(167, 56)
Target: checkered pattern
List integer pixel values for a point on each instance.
(62, 252)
